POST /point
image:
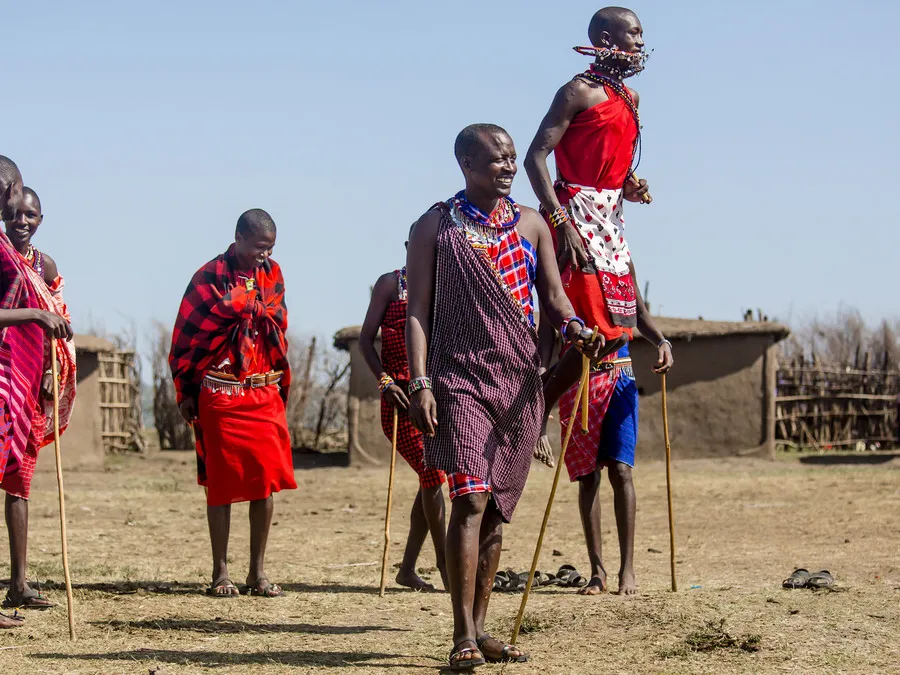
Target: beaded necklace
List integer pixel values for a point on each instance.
(402, 291)
(483, 230)
(629, 63)
(594, 75)
(484, 233)
(35, 258)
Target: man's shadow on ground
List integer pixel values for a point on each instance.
(300, 658)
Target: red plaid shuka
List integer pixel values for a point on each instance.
(218, 318)
(463, 484)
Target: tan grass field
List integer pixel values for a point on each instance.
(139, 555)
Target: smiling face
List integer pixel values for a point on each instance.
(253, 248)
(28, 218)
(491, 166)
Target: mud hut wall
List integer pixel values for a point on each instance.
(719, 400)
(82, 443)
(367, 441)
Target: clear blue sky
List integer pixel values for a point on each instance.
(770, 142)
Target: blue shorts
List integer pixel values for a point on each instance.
(620, 424)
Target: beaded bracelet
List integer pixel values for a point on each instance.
(385, 382)
(419, 384)
(559, 217)
(565, 324)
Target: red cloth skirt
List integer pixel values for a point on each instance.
(243, 446)
(19, 468)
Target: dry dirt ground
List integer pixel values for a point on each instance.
(139, 556)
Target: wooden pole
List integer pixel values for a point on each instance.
(585, 379)
(54, 367)
(665, 413)
(585, 394)
(387, 514)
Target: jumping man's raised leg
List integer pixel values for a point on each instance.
(625, 502)
(589, 506)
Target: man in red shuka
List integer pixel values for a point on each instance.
(229, 363)
(593, 129)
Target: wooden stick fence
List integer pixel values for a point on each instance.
(823, 406)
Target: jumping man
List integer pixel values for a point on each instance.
(229, 363)
(593, 129)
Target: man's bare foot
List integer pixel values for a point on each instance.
(10, 622)
(543, 451)
(413, 581)
(596, 586)
(627, 583)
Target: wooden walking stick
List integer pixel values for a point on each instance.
(585, 394)
(54, 368)
(387, 514)
(582, 385)
(665, 413)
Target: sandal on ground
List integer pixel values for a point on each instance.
(14, 621)
(505, 650)
(798, 579)
(474, 657)
(507, 582)
(821, 579)
(223, 588)
(570, 577)
(32, 599)
(263, 589)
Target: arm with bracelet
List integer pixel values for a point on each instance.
(383, 293)
(420, 272)
(651, 333)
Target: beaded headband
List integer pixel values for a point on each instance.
(633, 62)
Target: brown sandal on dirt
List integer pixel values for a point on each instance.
(474, 657)
(798, 579)
(505, 650)
(819, 580)
(32, 599)
(223, 588)
(14, 621)
(263, 588)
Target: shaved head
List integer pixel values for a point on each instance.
(472, 138)
(608, 20)
(10, 188)
(28, 193)
(255, 221)
(9, 173)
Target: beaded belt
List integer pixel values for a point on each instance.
(623, 366)
(226, 382)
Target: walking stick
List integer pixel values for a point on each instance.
(582, 385)
(387, 514)
(62, 493)
(665, 413)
